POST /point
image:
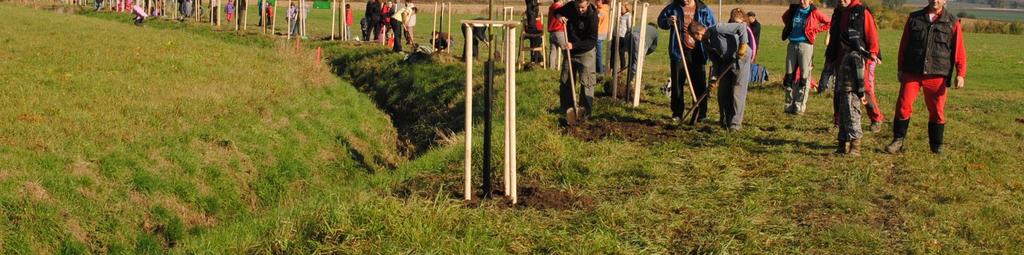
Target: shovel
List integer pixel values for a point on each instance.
(696, 104)
(574, 115)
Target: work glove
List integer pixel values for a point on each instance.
(742, 52)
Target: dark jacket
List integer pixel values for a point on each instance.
(704, 16)
(855, 17)
(932, 48)
(373, 11)
(756, 28)
(581, 27)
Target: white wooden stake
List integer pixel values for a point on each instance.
(245, 18)
(640, 56)
(345, 30)
(273, 21)
(512, 110)
(334, 12)
(449, 27)
(433, 27)
(469, 115)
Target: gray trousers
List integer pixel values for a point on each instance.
(847, 107)
(732, 95)
(584, 67)
(798, 55)
(846, 102)
(556, 49)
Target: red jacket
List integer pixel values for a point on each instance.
(555, 24)
(816, 22)
(348, 17)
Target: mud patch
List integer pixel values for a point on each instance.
(644, 131)
(434, 186)
(542, 198)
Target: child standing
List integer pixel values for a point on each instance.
(848, 98)
(348, 21)
(230, 10)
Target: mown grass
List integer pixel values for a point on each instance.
(772, 188)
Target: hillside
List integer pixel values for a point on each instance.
(325, 175)
(127, 139)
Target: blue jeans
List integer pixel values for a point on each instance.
(600, 56)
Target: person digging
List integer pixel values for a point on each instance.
(580, 18)
(686, 61)
(728, 48)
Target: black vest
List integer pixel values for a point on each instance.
(930, 45)
(856, 23)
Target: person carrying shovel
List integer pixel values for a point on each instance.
(728, 48)
(687, 60)
(580, 17)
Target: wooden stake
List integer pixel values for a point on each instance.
(288, 22)
(614, 60)
(449, 37)
(468, 189)
(345, 30)
(544, 44)
(640, 56)
(273, 21)
(245, 18)
(263, 16)
(512, 110)
(433, 27)
(334, 20)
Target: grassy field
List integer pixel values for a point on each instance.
(219, 143)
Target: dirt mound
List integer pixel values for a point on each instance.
(634, 131)
(432, 186)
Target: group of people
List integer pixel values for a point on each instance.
(389, 21)
(930, 59)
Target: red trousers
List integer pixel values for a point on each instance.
(873, 110)
(934, 87)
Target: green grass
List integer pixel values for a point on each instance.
(119, 138)
(772, 188)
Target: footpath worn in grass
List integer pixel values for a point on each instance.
(628, 182)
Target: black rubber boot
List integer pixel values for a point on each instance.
(899, 131)
(935, 133)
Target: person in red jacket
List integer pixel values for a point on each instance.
(931, 52)
(556, 30)
(803, 22)
(851, 15)
(348, 21)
